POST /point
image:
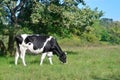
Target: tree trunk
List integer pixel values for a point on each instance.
(2, 48)
(11, 43)
(14, 22)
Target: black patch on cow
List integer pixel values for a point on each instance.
(50, 46)
(47, 47)
(37, 40)
(19, 39)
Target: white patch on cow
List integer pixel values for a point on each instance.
(49, 54)
(24, 37)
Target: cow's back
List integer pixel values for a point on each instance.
(37, 40)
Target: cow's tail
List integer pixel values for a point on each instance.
(18, 40)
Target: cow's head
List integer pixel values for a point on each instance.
(62, 58)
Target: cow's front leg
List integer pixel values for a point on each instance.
(50, 54)
(42, 58)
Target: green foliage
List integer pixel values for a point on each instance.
(105, 36)
(37, 12)
(100, 31)
(89, 37)
(111, 31)
(24, 30)
(61, 20)
(115, 33)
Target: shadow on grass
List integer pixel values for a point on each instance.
(12, 62)
(35, 62)
(114, 77)
(72, 52)
(30, 61)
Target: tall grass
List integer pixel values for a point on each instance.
(84, 63)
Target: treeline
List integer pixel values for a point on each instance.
(60, 18)
(111, 31)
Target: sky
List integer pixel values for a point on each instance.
(111, 8)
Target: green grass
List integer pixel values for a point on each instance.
(84, 63)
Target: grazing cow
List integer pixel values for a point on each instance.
(46, 45)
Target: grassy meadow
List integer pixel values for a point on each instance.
(84, 63)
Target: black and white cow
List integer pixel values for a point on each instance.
(46, 45)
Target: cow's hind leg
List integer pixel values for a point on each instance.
(22, 55)
(43, 57)
(16, 56)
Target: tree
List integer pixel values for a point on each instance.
(114, 32)
(2, 48)
(11, 9)
(106, 22)
(111, 30)
(52, 17)
(62, 18)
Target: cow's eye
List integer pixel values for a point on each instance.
(29, 43)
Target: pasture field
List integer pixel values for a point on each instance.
(84, 63)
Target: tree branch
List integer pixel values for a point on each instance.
(20, 5)
(13, 17)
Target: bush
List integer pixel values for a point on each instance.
(89, 37)
(114, 39)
